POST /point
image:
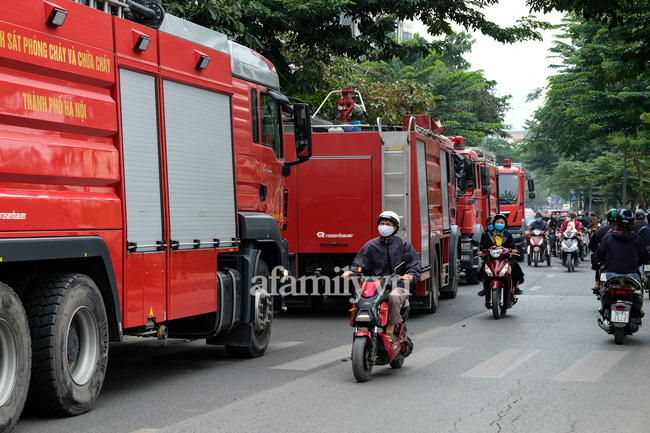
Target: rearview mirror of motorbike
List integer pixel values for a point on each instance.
(404, 260)
(475, 242)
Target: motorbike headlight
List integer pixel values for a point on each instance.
(505, 270)
(488, 272)
(496, 252)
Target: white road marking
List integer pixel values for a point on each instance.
(532, 289)
(428, 333)
(423, 357)
(550, 275)
(146, 430)
(501, 364)
(318, 359)
(591, 367)
(279, 345)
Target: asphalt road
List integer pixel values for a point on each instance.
(544, 367)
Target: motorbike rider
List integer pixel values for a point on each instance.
(623, 251)
(585, 220)
(594, 219)
(554, 224)
(380, 255)
(502, 237)
(571, 218)
(603, 231)
(644, 232)
(639, 220)
(539, 224)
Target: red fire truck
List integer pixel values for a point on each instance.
(357, 171)
(512, 185)
(141, 192)
(476, 176)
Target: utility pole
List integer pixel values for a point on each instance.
(625, 178)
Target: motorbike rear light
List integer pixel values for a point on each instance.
(383, 309)
(353, 309)
(620, 308)
(622, 291)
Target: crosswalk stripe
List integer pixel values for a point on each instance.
(423, 357)
(501, 364)
(591, 367)
(428, 333)
(318, 359)
(531, 289)
(279, 345)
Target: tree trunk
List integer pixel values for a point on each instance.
(639, 194)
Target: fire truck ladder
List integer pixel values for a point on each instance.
(396, 178)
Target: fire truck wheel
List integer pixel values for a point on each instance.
(69, 331)
(471, 276)
(451, 290)
(15, 358)
(261, 325)
(433, 290)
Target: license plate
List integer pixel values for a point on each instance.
(620, 316)
(465, 257)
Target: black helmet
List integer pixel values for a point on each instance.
(489, 220)
(538, 214)
(572, 215)
(625, 218)
(611, 215)
(500, 215)
(639, 214)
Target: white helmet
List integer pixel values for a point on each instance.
(390, 216)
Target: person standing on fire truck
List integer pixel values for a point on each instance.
(380, 255)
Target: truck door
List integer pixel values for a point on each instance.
(145, 294)
(201, 191)
(271, 158)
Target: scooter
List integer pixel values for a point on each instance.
(497, 281)
(538, 249)
(584, 235)
(622, 306)
(371, 346)
(569, 252)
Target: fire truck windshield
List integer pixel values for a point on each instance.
(465, 178)
(508, 188)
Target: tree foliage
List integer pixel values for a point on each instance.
(594, 106)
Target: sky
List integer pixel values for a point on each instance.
(517, 68)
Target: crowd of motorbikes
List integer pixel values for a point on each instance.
(620, 313)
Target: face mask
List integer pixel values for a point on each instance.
(490, 227)
(499, 226)
(386, 231)
(539, 220)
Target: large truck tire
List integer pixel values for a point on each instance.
(262, 320)
(15, 358)
(471, 276)
(69, 331)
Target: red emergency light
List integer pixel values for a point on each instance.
(506, 163)
(459, 143)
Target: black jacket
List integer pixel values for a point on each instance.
(587, 222)
(374, 258)
(554, 223)
(638, 224)
(598, 236)
(488, 240)
(542, 225)
(645, 235)
(622, 252)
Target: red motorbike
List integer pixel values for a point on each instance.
(538, 248)
(497, 281)
(371, 346)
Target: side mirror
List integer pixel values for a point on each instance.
(475, 242)
(485, 175)
(486, 190)
(405, 260)
(531, 195)
(302, 130)
(531, 185)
